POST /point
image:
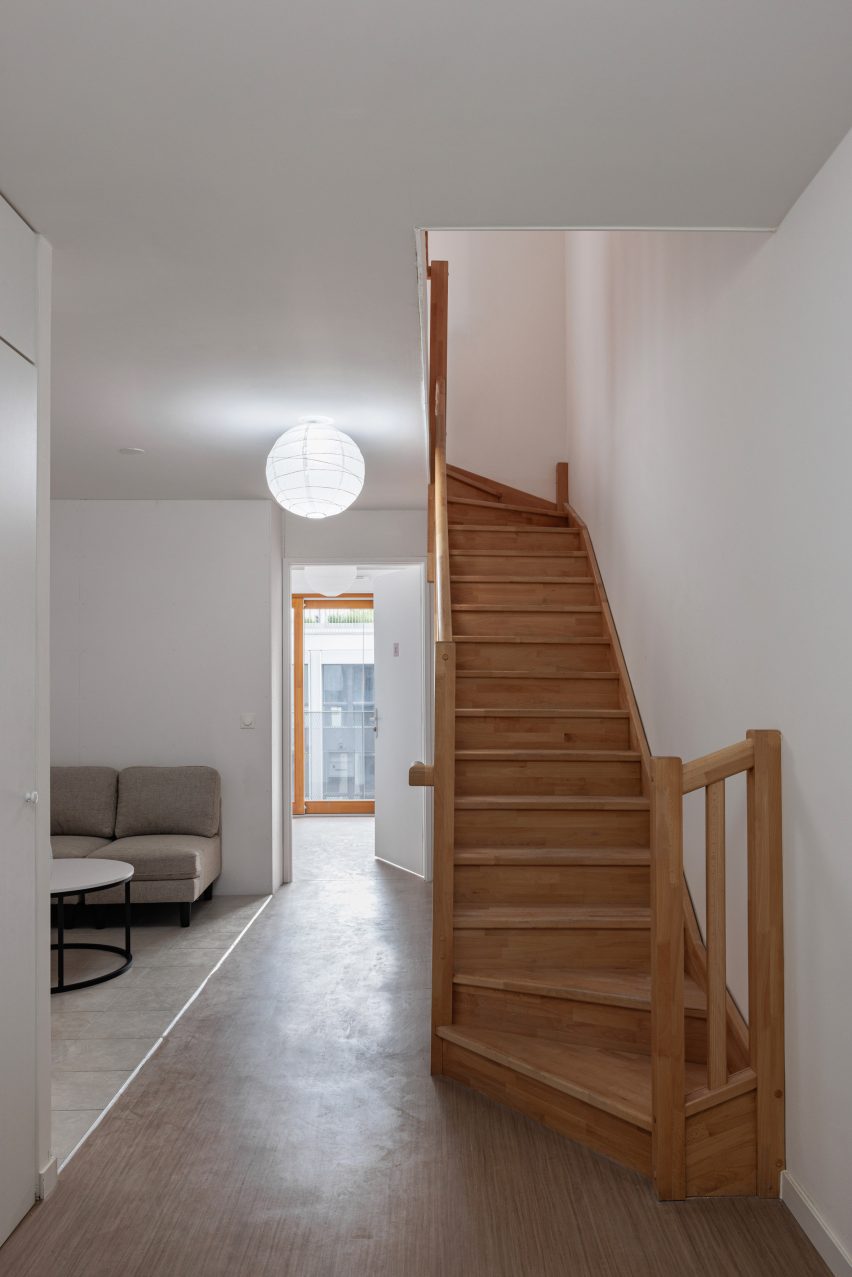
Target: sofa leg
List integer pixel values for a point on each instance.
(185, 912)
(207, 893)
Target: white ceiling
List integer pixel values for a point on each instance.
(232, 189)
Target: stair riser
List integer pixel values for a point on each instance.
(579, 1023)
(505, 776)
(558, 1019)
(500, 949)
(515, 593)
(552, 885)
(563, 732)
(530, 542)
(537, 693)
(535, 658)
(515, 827)
(573, 565)
(494, 513)
(458, 488)
(528, 624)
(603, 1132)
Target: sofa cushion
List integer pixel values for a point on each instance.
(82, 801)
(167, 800)
(69, 846)
(155, 857)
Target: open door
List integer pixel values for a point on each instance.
(399, 681)
(17, 799)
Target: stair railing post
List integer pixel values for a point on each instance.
(766, 955)
(443, 841)
(668, 1045)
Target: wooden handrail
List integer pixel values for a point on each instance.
(759, 757)
(718, 766)
(438, 309)
(443, 604)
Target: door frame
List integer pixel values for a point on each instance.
(301, 806)
(378, 561)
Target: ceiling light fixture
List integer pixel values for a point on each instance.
(331, 580)
(315, 470)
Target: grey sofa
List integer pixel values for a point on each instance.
(164, 821)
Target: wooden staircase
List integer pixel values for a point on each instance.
(571, 980)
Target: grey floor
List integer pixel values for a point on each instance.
(288, 1127)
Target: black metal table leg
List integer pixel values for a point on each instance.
(127, 919)
(60, 946)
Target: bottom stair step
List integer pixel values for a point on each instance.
(616, 1082)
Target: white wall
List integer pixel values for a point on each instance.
(710, 391)
(166, 628)
(506, 354)
(356, 536)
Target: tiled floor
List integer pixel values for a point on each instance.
(102, 1034)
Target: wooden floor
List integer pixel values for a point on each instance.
(288, 1127)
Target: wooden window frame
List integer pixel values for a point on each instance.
(317, 806)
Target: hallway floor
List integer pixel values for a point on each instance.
(288, 1126)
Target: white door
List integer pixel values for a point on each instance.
(399, 682)
(17, 777)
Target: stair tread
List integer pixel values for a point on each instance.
(551, 755)
(526, 607)
(577, 802)
(507, 505)
(511, 711)
(551, 917)
(544, 856)
(526, 638)
(614, 987)
(519, 554)
(618, 1082)
(500, 528)
(566, 674)
(498, 579)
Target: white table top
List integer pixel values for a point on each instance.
(86, 874)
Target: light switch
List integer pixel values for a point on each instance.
(396, 649)
(247, 721)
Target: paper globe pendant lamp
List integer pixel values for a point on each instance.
(315, 470)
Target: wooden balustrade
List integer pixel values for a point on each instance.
(759, 757)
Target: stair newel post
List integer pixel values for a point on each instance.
(443, 844)
(766, 955)
(668, 1047)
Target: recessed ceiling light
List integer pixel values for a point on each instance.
(131, 452)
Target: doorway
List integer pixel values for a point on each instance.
(334, 709)
(358, 702)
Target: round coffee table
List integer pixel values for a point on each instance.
(75, 877)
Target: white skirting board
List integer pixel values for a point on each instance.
(811, 1222)
(47, 1180)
